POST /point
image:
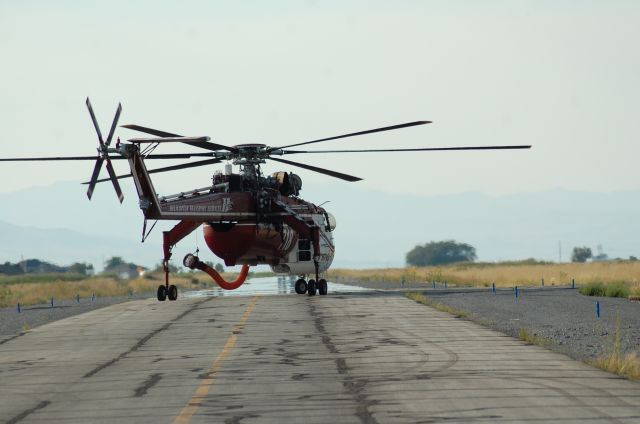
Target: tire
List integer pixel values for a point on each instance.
(162, 293)
(173, 292)
(311, 288)
(301, 286)
(322, 287)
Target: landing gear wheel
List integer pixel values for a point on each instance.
(173, 292)
(301, 286)
(311, 288)
(322, 287)
(162, 293)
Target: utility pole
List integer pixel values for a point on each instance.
(559, 252)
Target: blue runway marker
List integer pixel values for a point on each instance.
(52, 302)
(598, 310)
(493, 288)
(516, 292)
(18, 307)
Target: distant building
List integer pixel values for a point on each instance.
(128, 271)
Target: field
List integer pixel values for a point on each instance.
(527, 273)
(37, 289)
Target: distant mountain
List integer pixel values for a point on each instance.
(63, 246)
(375, 229)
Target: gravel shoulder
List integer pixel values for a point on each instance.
(561, 316)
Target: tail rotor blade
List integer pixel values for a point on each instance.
(94, 177)
(114, 124)
(169, 168)
(95, 122)
(114, 180)
(204, 145)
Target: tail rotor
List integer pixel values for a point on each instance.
(103, 154)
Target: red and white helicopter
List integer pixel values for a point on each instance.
(248, 218)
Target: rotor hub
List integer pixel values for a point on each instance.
(251, 153)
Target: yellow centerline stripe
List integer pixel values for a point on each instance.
(203, 389)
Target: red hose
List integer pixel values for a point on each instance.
(227, 285)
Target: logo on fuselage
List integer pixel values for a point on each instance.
(221, 205)
(227, 204)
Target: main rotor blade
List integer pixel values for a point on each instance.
(158, 156)
(114, 180)
(206, 145)
(170, 140)
(421, 149)
(95, 122)
(335, 174)
(392, 127)
(169, 168)
(114, 124)
(94, 177)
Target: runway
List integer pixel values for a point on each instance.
(360, 357)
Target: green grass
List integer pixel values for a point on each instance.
(40, 278)
(606, 290)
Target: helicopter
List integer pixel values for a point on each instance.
(248, 218)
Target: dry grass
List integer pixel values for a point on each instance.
(420, 298)
(33, 293)
(626, 365)
(634, 291)
(533, 339)
(507, 275)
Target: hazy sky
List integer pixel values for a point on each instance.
(561, 75)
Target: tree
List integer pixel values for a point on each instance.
(80, 268)
(174, 269)
(218, 267)
(440, 253)
(581, 254)
(11, 269)
(113, 262)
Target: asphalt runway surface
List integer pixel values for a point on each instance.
(353, 357)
